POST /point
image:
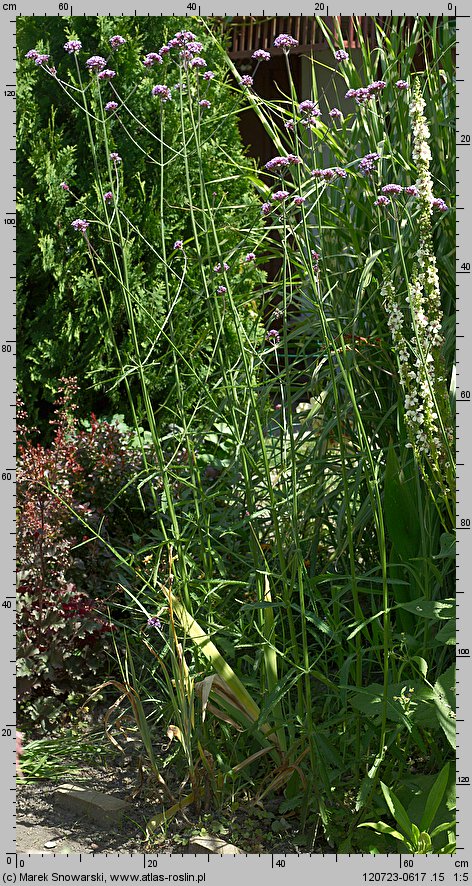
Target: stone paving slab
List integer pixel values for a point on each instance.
(102, 808)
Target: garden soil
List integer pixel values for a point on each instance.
(40, 821)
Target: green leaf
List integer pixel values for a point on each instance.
(432, 609)
(434, 798)
(444, 700)
(383, 828)
(401, 514)
(447, 635)
(445, 826)
(448, 546)
(398, 811)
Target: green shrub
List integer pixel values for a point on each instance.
(62, 322)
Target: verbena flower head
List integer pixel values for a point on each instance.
(266, 208)
(41, 58)
(108, 196)
(381, 201)
(392, 189)
(330, 173)
(152, 58)
(32, 53)
(260, 55)
(377, 86)
(281, 163)
(179, 244)
(273, 336)
(111, 106)
(218, 268)
(198, 62)
(183, 37)
(208, 75)
(299, 200)
(107, 74)
(250, 256)
(72, 46)
(163, 92)
(154, 622)
(64, 186)
(367, 163)
(116, 41)
(402, 84)
(411, 190)
(341, 55)
(115, 158)
(246, 80)
(95, 63)
(285, 42)
(280, 196)
(194, 46)
(335, 112)
(221, 290)
(308, 107)
(289, 125)
(437, 203)
(204, 103)
(80, 225)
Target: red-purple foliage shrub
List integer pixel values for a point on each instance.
(65, 573)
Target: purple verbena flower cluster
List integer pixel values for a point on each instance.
(108, 196)
(107, 74)
(309, 112)
(282, 163)
(95, 63)
(402, 84)
(365, 93)
(218, 268)
(154, 622)
(163, 92)
(285, 42)
(151, 59)
(273, 337)
(279, 196)
(260, 55)
(392, 189)
(335, 112)
(246, 81)
(80, 225)
(330, 173)
(367, 163)
(341, 55)
(315, 258)
(72, 46)
(116, 41)
(111, 106)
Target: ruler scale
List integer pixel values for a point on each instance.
(337, 869)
